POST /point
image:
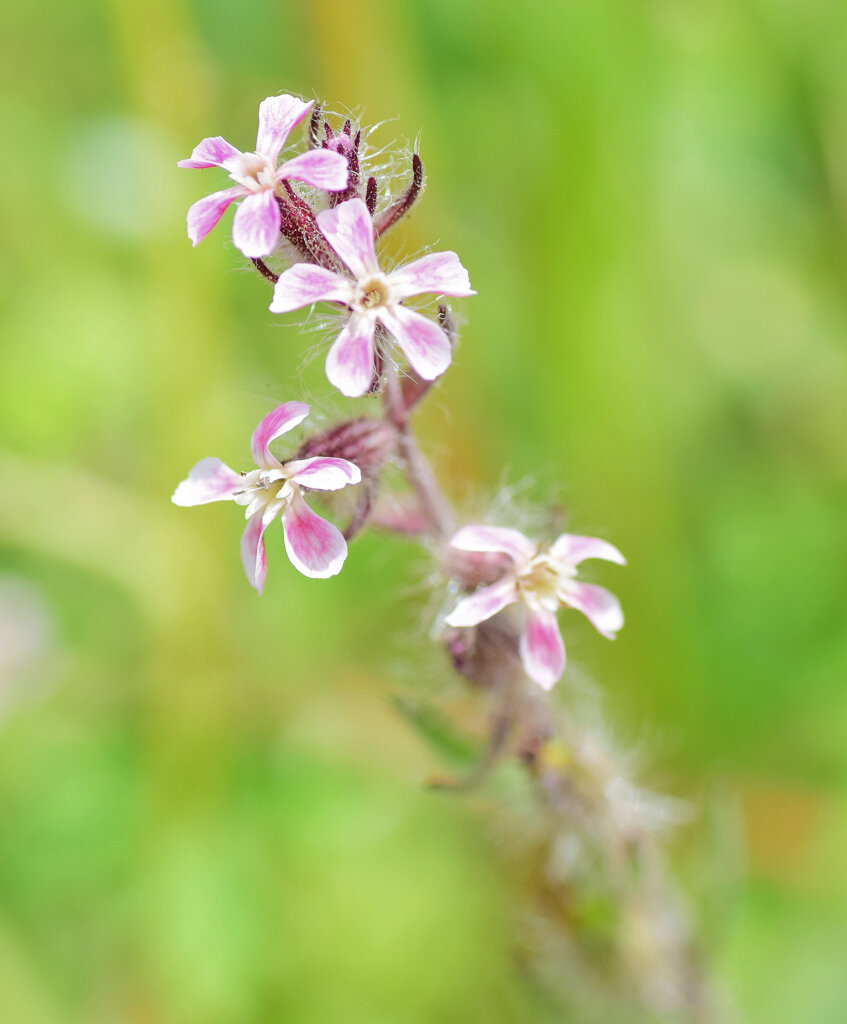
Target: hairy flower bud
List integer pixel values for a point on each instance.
(367, 442)
(472, 569)
(487, 656)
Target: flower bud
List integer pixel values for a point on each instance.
(367, 442)
(487, 655)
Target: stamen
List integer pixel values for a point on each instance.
(374, 293)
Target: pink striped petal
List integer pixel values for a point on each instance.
(495, 538)
(314, 546)
(255, 228)
(487, 601)
(277, 116)
(600, 607)
(422, 341)
(211, 153)
(571, 550)
(206, 212)
(305, 283)
(318, 167)
(349, 230)
(209, 480)
(542, 650)
(323, 474)
(253, 556)
(440, 273)
(278, 422)
(350, 361)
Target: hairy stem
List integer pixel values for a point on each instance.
(418, 471)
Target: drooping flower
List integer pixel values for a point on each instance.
(255, 229)
(542, 578)
(274, 490)
(373, 297)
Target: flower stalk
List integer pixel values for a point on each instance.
(592, 830)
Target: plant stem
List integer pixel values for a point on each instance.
(418, 471)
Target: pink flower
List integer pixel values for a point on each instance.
(374, 297)
(541, 578)
(314, 546)
(255, 229)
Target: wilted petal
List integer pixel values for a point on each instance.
(601, 608)
(323, 473)
(305, 283)
(487, 601)
(279, 421)
(253, 555)
(542, 650)
(314, 546)
(206, 212)
(255, 228)
(422, 341)
(318, 167)
(571, 550)
(350, 361)
(349, 230)
(211, 153)
(495, 538)
(277, 116)
(440, 273)
(209, 480)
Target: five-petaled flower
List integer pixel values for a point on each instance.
(256, 227)
(373, 297)
(541, 578)
(314, 546)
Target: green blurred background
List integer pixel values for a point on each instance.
(209, 811)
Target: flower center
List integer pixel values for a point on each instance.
(538, 582)
(263, 487)
(373, 293)
(253, 171)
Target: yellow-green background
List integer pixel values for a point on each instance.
(208, 810)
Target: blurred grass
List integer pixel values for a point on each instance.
(213, 815)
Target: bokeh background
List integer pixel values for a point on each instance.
(209, 811)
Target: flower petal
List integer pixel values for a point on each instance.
(349, 230)
(350, 361)
(212, 152)
(422, 341)
(314, 546)
(323, 474)
(209, 480)
(440, 273)
(495, 538)
(277, 116)
(487, 601)
(542, 649)
(305, 283)
(571, 550)
(600, 607)
(279, 421)
(206, 212)
(253, 556)
(318, 167)
(255, 228)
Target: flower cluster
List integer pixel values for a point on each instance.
(312, 222)
(323, 207)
